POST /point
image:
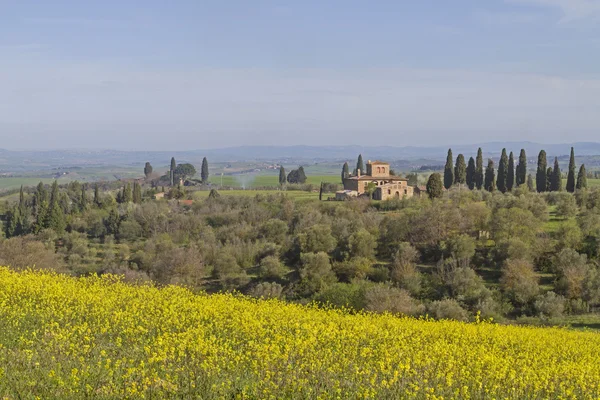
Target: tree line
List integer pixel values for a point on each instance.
(508, 176)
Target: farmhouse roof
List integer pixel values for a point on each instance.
(376, 162)
(375, 178)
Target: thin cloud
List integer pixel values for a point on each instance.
(571, 9)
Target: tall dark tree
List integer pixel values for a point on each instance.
(137, 193)
(97, 200)
(345, 171)
(55, 219)
(360, 165)
(148, 170)
(556, 183)
(22, 200)
(172, 171)
(549, 173)
(510, 177)
(479, 169)
(204, 170)
(530, 182)
(282, 176)
(460, 170)
(434, 186)
(471, 173)
(301, 175)
(571, 175)
(521, 173)
(502, 172)
(449, 171)
(127, 195)
(41, 195)
(582, 178)
(540, 176)
(490, 181)
(83, 200)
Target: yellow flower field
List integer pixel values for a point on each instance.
(62, 337)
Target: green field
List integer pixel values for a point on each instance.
(592, 183)
(265, 180)
(294, 194)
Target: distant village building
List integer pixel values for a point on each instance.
(385, 186)
(420, 190)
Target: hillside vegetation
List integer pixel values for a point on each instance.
(66, 337)
(530, 257)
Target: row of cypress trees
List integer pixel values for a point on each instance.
(549, 179)
(509, 176)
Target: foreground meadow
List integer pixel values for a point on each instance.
(63, 337)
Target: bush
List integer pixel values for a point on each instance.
(355, 268)
(519, 281)
(350, 295)
(550, 305)
(271, 268)
(383, 298)
(315, 272)
(447, 309)
(267, 290)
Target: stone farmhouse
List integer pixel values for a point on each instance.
(385, 186)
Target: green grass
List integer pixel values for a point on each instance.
(16, 182)
(593, 183)
(294, 194)
(265, 180)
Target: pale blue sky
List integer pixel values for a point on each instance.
(202, 74)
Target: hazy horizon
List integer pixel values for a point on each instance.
(210, 75)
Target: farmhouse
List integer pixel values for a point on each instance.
(376, 180)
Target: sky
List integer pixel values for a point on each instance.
(194, 74)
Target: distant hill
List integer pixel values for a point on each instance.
(29, 160)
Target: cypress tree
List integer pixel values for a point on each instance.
(502, 172)
(345, 172)
(21, 199)
(556, 183)
(582, 178)
(571, 174)
(360, 165)
(549, 173)
(148, 170)
(97, 195)
(54, 193)
(83, 200)
(40, 195)
(172, 171)
(12, 224)
(479, 169)
(137, 193)
(540, 176)
(530, 182)
(521, 174)
(449, 171)
(204, 170)
(282, 176)
(490, 184)
(510, 178)
(55, 218)
(112, 222)
(460, 170)
(434, 186)
(126, 195)
(301, 175)
(471, 173)
(41, 217)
